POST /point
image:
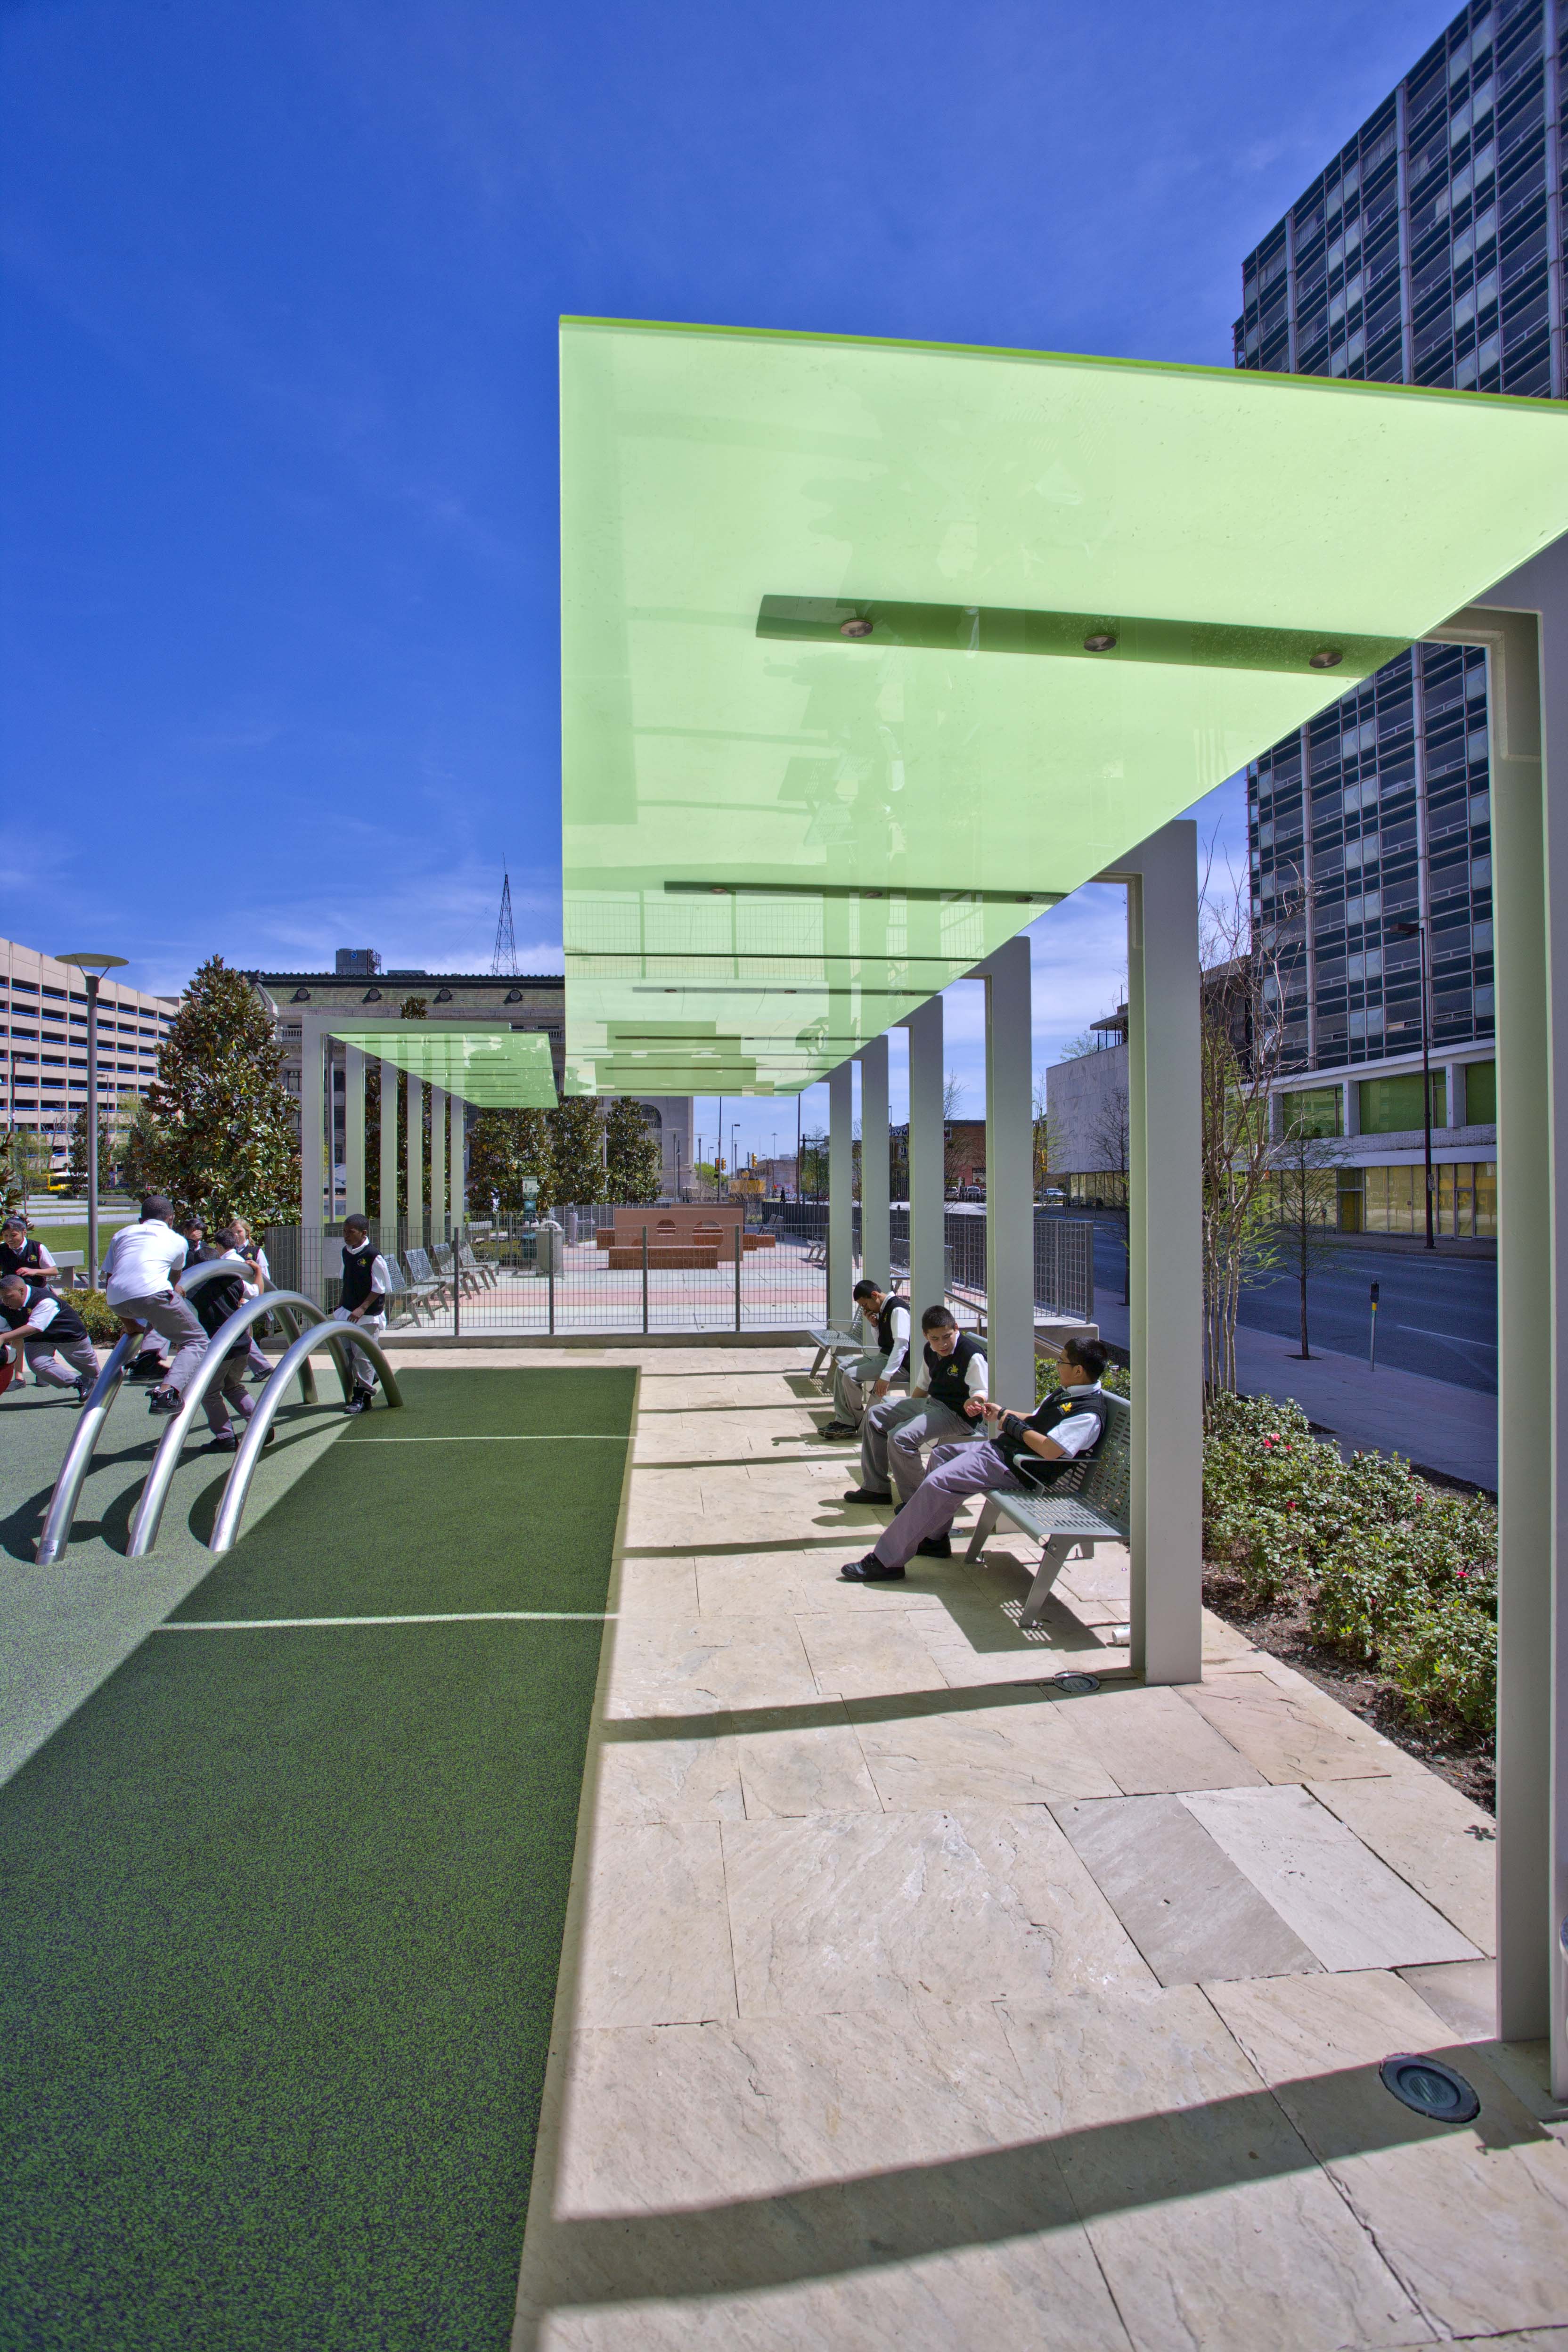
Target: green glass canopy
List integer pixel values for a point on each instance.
(872, 651)
(496, 1069)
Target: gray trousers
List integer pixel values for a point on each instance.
(892, 1437)
(360, 1365)
(173, 1318)
(956, 1472)
(44, 1358)
(852, 1376)
(227, 1389)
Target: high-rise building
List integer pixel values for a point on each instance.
(43, 1042)
(1430, 251)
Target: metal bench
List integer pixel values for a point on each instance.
(1070, 1516)
(832, 1339)
(435, 1287)
(402, 1305)
(483, 1274)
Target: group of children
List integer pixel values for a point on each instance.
(976, 1447)
(144, 1282)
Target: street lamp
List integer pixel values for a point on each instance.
(93, 967)
(1418, 930)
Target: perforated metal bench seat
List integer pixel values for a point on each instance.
(829, 1340)
(1065, 1519)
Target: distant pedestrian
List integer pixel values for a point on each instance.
(138, 1273)
(43, 1331)
(367, 1287)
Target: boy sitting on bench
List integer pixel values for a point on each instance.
(1024, 1451)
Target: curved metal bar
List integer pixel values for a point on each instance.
(58, 1518)
(337, 1336)
(293, 1308)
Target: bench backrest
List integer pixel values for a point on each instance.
(1107, 1482)
(398, 1287)
(419, 1267)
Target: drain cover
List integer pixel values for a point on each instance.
(1079, 1685)
(1430, 2087)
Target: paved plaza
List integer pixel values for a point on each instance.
(908, 2001)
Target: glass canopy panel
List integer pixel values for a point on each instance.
(871, 651)
(496, 1069)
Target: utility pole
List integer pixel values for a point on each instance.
(1418, 930)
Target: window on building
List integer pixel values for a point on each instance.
(1315, 1110)
(1392, 1105)
(1481, 1094)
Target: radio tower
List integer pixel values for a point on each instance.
(504, 960)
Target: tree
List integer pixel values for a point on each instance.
(222, 1139)
(1042, 1135)
(137, 1149)
(510, 1155)
(76, 1153)
(577, 1139)
(813, 1171)
(1110, 1144)
(1241, 1049)
(1305, 1160)
(634, 1162)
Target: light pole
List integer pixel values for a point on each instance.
(1418, 930)
(92, 967)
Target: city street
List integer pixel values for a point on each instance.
(1435, 1315)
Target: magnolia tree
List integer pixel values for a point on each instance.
(219, 1136)
(510, 1157)
(634, 1162)
(577, 1141)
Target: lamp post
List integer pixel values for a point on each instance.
(93, 968)
(1418, 930)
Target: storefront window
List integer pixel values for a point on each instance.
(1481, 1094)
(1392, 1105)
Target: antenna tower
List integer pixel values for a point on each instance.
(504, 960)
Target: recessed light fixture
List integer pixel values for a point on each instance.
(1430, 2088)
(854, 628)
(1075, 1684)
(1326, 658)
(1100, 642)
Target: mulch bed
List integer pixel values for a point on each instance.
(1467, 1759)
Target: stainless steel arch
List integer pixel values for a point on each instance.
(293, 1308)
(340, 1337)
(67, 1487)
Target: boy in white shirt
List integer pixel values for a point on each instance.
(946, 1403)
(139, 1270)
(367, 1286)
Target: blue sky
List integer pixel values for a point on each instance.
(277, 419)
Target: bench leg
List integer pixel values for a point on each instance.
(1052, 1560)
(817, 1363)
(983, 1527)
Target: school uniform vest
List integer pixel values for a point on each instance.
(214, 1302)
(885, 1322)
(27, 1263)
(945, 1375)
(358, 1267)
(64, 1324)
(1027, 1466)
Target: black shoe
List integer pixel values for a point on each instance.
(870, 1571)
(164, 1400)
(839, 1429)
(261, 1379)
(936, 1547)
(147, 1368)
(359, 1402)
(84, 1390)
(866, 1494)
(224, 1442)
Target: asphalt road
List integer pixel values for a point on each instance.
(1434, 1315)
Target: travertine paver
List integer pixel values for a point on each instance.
(853, 2048)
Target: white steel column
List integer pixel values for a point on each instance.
(1165, 1246)
(437, 1160)
(390, 1073)
(413, 1150)
(840, 1192)
(876, 1244)
(313, 1123)
(455, 1161)
(353, 1128)
(928, 1159)
(1009, 1176)
(1523, 624)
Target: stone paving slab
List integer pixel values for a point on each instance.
(860, 2039)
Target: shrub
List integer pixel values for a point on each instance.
(102, 1322)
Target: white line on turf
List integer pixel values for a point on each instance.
(510, 1437)
(454, 1617)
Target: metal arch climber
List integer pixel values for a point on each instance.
(340, 1337)
(293, 1308)
(73, 1470)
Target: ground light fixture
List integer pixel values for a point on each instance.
(1076, 1686)
(1430, 2088)
(93, 967)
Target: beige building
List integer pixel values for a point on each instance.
(43, 1041)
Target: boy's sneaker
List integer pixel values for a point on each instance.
(164, 1400)
(84, 1390)
(146, 1368)
(224, 1442)
(839, 1429)
(359, 1402)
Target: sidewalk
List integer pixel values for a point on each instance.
(1433, 1424)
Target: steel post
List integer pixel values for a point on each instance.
(876, 1221)
(1009, 1176)
(840, 1192)
(928, 1159)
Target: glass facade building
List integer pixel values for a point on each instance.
(1430, 252)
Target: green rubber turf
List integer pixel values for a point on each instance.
(281, 1917)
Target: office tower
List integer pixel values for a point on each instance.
(43, 1042)
(1430, 251)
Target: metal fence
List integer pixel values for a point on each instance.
(598, 1269)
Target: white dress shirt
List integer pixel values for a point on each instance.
(141, 1260)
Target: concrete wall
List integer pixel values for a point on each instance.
(1086, 1105)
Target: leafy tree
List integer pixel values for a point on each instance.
(222, 1139)
(510, 1152)
(415, 1008)
(16, 1167)
(76, 1153)
(1305, 1160)
(137, 1147)
(634, 1163)
(577, 1139)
